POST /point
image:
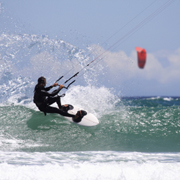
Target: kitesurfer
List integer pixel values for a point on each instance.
(43, 99)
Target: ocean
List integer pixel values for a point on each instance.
(137, 138)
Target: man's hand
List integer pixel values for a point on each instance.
(61, 86)
(55, 84)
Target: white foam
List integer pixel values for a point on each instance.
(89, 165)
(167, 99)
(93, 99)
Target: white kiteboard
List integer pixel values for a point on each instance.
(88, 120)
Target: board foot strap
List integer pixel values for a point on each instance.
(78, 117)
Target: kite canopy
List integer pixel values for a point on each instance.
(141, 57)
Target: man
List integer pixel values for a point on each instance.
(43, 99)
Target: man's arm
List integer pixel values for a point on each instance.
(55, 92)
(48, 88)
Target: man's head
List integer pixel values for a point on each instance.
(42, 81)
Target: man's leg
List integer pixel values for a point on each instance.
(50, 109)
(56, 99)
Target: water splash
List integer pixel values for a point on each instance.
(25, 57)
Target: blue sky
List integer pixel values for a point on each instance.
(91, 22)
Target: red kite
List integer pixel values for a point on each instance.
(141, 57)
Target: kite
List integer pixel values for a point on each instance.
(141, 57)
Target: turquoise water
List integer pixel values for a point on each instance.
(142, 125)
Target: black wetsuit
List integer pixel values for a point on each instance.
(43, 99)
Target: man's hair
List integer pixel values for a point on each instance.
(41, 80)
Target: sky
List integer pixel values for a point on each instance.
(113, 27)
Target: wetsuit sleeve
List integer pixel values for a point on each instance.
(45, 93)
(48, 88)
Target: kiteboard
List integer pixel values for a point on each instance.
(87, 120)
